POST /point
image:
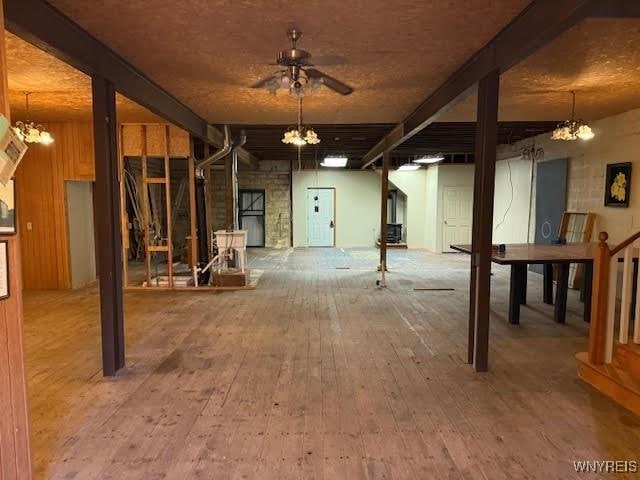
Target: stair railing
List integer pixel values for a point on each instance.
(603, 305)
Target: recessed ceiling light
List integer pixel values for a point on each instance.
(408, 167)
(334, 162)
(430, 159)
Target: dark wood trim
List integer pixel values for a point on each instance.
(484, 184)
(539, 23)
(107, 204)
(384, 195)
(49, 29)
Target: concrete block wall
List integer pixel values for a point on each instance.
(617, 140)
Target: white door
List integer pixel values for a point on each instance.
(320, 217)
(457, 215)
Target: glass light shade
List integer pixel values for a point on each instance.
(562, 133)
(311, 137)
(430, 159)
(334, 162)
(408, 167)
(46, 138)
(584, 132)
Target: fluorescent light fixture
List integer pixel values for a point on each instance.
(430, 159)
(408, 167)
(334, 162)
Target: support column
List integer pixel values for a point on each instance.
(107, 209)
(484, 185)
(15, 446)
(228, 191)
(384, 195)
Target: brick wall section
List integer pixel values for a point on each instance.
(277, 215)
(277, 219)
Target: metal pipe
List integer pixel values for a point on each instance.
(224, 151)
(236, 145)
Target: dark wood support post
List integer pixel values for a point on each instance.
(599, 300)
(384, 195)
(484, 185)
(107, 209)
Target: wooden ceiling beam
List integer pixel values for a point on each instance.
(48, 29)
(538, 24)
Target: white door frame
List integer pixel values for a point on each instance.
(307, 207)
(445, 247)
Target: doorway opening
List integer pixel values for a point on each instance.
(251, 214)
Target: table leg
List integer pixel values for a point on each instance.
(586, 289)
(562, 286)
(515, 293)
(547, 283)
(523, 285)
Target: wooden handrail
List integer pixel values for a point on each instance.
(624, 244)
(599, 299)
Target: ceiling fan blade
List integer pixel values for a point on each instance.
(329, 81)
(262, 83)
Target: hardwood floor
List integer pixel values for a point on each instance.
(317, 374)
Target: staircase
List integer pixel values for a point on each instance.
(612, 364)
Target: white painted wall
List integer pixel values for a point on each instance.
(414, 186)
(357, 205)
(617, 140)
(511, 201)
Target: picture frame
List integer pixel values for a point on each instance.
(8, 216)
(5, 291)
(617, 189)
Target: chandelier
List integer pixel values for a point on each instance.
(573, 129)
(31, 132)
(300, 135)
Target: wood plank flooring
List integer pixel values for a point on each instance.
(317, 374)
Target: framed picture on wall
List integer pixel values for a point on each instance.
(4, 269)
(618, 185)
(8, 208)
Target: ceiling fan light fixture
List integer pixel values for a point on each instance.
(334, 162)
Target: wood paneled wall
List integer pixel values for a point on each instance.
(15, 448)
(42, 210)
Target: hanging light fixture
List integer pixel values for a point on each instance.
(427, 159)
(30, 132)
(573, 129)
(300, 135)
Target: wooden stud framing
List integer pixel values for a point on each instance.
(167, 194)
(145, 201)
(484, 183)
(193, 231)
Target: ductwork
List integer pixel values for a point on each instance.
(223, 152)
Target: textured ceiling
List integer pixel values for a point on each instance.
(206, 53)
(59, 92)
(599, 58)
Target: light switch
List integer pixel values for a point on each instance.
(29, 226)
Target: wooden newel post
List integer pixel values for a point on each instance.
(599, 298)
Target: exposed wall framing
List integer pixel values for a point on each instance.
(155, 149)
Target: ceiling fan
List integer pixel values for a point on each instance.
(298, 76)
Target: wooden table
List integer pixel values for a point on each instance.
(520, 256)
